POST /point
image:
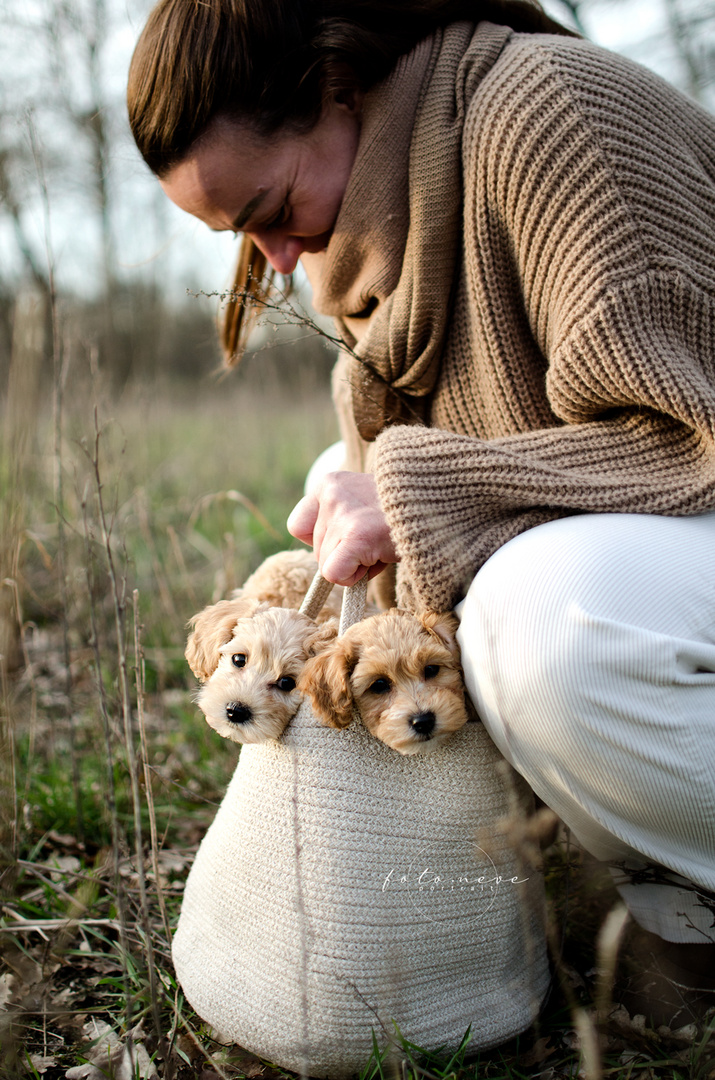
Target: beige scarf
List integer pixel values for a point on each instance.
(395, 248)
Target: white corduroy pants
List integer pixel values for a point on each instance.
(588, 647)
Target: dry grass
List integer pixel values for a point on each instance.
(120, 518)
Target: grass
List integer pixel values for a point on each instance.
(121, 518)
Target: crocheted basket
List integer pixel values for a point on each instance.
(343, 889)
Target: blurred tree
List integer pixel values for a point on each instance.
(62, 74)
(675, 37)
(692, 29)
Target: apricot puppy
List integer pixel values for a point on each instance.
(249, 655)
(400, 673)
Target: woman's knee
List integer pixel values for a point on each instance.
(522, 634)
(588, 617)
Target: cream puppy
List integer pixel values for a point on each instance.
(248, 657)
(249, 651)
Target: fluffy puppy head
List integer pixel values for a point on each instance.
(249, 656)
(400, 672)
(212, 628)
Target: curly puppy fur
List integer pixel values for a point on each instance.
(282, 580)
(400, 672)
(249, 651)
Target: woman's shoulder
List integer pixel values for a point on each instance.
(539, 76)
(551, 104)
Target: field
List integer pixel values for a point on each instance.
(123, 513)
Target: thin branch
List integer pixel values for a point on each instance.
(116, 833)
(278, 303)
(140, 684)
(59, 374)
(118, 602)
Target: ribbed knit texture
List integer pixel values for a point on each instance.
(577, 372)
(312, 916)
(342, 887)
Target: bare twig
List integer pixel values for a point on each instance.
(684, 40)
(111, 791)
(118, 602)
(148, 794)
(9, 762)
(42, 925)
(278, 303)
(59, 375)
(608, 943)
(11, 583)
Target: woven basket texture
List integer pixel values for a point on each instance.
(338, 890)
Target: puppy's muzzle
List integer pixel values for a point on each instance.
(423, 723)
(237, 713)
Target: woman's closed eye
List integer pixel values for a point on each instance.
(279, 219)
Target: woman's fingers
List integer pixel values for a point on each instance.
(342, 567)
(344, 522)
(303, 516)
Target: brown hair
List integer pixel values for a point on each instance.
(273, 63)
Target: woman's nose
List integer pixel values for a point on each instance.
(282, 252)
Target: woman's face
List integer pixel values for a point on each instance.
(283, 191)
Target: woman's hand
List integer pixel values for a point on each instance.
(344, 522)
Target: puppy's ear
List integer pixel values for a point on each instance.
(445, 626)
(326, 681)
(320, 638)
(212, 628)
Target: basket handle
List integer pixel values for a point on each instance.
(353, 607)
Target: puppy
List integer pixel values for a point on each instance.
(401, 674)
(282, 580)
(248, 652)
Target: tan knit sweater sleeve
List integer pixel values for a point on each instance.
(590, 219)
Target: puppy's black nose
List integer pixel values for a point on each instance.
(423, 723)
(238, 713)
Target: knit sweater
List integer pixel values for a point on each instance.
(576, 368)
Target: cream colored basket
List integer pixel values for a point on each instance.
(343, 889)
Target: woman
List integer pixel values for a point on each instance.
(515, 231)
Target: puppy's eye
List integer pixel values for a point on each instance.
(286, 682)
(238, 659)
(431, 670)
(380, 686)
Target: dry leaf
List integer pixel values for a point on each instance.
(42, 1064)
(5, 989)
(686, 1034)
(126, 1060)
(538, 1053)
(59, 865)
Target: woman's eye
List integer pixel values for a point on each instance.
(287, 683)
(238, 659)
(280, 218)
(431, 670)
(380, 686)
